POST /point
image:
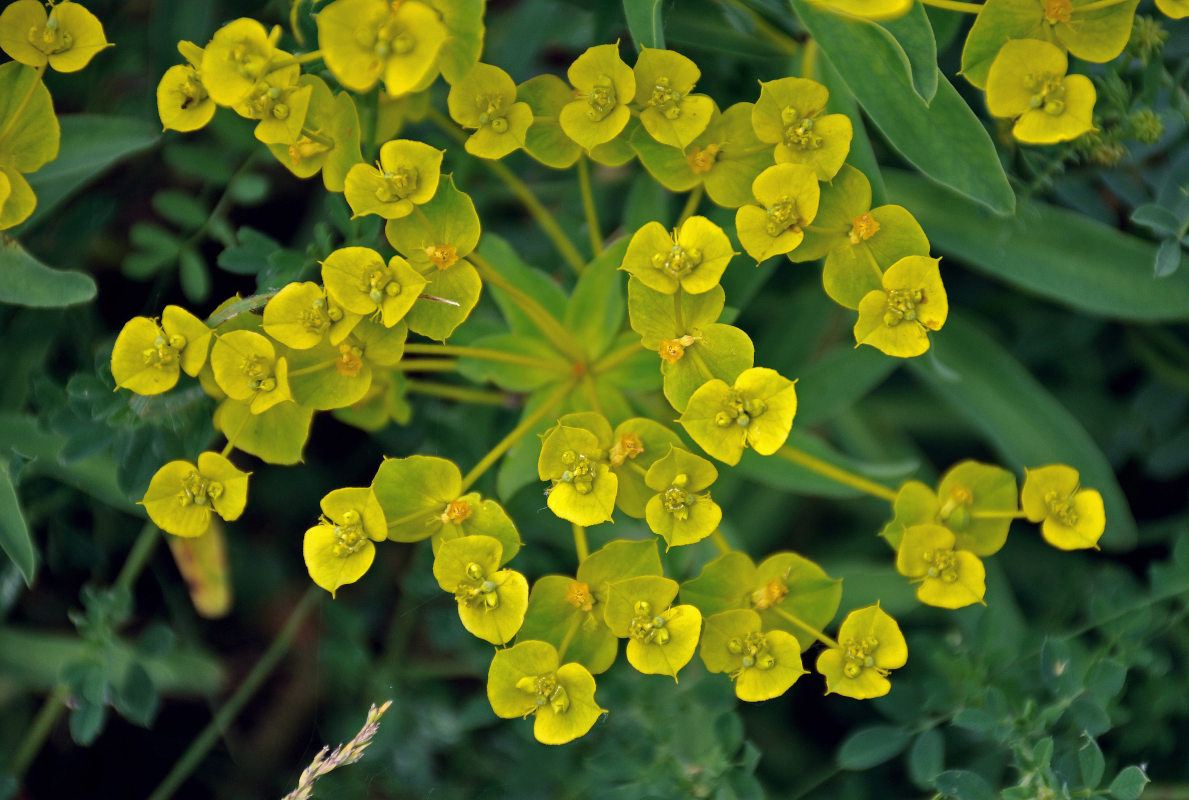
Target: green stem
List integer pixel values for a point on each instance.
(485, 354)
(427, 365)
(803, 625)
(613, 360)
(837, 474)
(233, 310)
(43, 724)
(974, 8)
(809, 60)
(592, 395)
(691, 204)
(202, 744)
(522, 191)
(575, 623)
(546, 323)
(312, 368)
(463, 394)
(1100, 4)
(526, 425)
(138, 557)
(720, 541)
(997, 514)
(581, 546)
(24, 101)
(588, 206)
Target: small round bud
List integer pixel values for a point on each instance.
(642, 608)
(474, 571)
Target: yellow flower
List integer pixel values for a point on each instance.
(363, 41)
(664, 82)
(788, 197)
(405, 177)
(1071, 517)
(870, 9)
(869, 645)
(763, 664)
(485, 101)
(897, 318)
(181, 496)
(339, 550)
(527, 679)
(280, 102)
(182, 101)
(757, 411)
(948, 578)
(300, 316)
(692, 258)
(239, 55)
(790, 113)
(246, 367)
(147, 358)
(358, 279)
(66, 38)
(604, 85)
(1027, 82)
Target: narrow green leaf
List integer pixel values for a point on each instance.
(982, 383)
(943, 139)
(14, 533)
(1057, 254)
(873, 745)
(528, 279)
(25, 281)
(91, 143)
(838, 380)
(644, 22)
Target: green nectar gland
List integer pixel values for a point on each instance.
(548, 691)
(1048, 92)
(199, 491)
(647, 628)
(477, 591)
(602, 99)
(349, 534)
(678, 261)
(580, 471)
(798, 130)
(752, 648)
(739, 410)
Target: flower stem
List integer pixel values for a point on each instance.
(974, 8)
(202, 744)
(546, 323)
(720, 541)
(1095, 6)
(809, 59)
(613, 360)
(581, 546)
(827, 470)
(427, 365)
(691, 204)
(588, 206)
(463, 394)
(485, 354)
(575, 623)
(997, 514)
(526, 196)
(526, 425)
(803, 625)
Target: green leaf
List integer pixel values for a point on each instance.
(1091, 764)
(180, 208)
(873, 745)
(594, 312)
(1168, 258)
(963, 785)
(838, 380)
(528, 279)
(943, 139)
(644, 22)
(1057, 254)
(14, 533)
(914, 33)
(1129, 784)
(86, 722)
(926, 758)
(1105, 680)
(512, 377)
(28, 282)
(135, 697)
(982, 383)
(91, 143)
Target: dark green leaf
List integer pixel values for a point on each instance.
(867, 747)
(1157, 218)
(91, 143)
(250, 255)
(943, 139)
(1091, 764)
(982, 383)
(181, 209)
(914, 33)
(782, 474)
(86, 722)
(926, 758)
(1168, 258)
(14, 533)
(1060, 255)
(644, 22)
(193, 274)
(963, 785)
(136, 698)
(838, 380)
(1105, 680)
(28, 282)
(1129, 784)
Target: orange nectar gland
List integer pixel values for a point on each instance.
(199, 491)
(548, 691)
(628, 446)
(578, 595)
(863, 227)
(857, 653)
(443, 256)
(164, 352)
(456, 511)
(647, 628)
(477, 590)
(1057, 11)
(350, 360)
(700, 159)
(798, 130)
(671, 350)
(752, 647)
(304, 148)
(349, 536)
(768, 595)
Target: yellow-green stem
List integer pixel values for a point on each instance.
(546, 323)
(691, 204)
(720, 541)
(526, 425)
(427, 365)
(837, 474)
(204, 741)
(24, 101)
(974, 8)
(1095, 6)
(297, 373)
(575, 623)
(809, 60)
(592, 395)
(463, 394)
(803, 625)
(997, 514)
(227, 448)
(581, 546)
(588, 206)
(614, 359)
(484, 354)
(540, 213)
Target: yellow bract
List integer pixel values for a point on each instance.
(1027, 82)
(790, 113)
(485, 101)
(670, 114)
(147, 358)
(1071, 517)
(692, 258)
(896, 319)
(788, 197)
(339, 549)
(246, 367)
(358, 279)
(363, 41)
(870, 9)
(604, 85)
(183, 103)
(869, 645)
(405, 177)
(239, 55)
(181, 496)
(948, 578)
(66, 38)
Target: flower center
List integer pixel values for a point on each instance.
(753, 648)
(671, 350)
(199, 491)
(49, 39)
(164, 352)
(1061, 507)
(902, 305)
(859, 654)
(1057, 11)
(492, 112)
(955, 512)
(700, 159)
(1048, 93)
(665, 98)
(782, 215)
(647, 628)
(443, 256)
(456, 511)
(943, 565)
(676, 499)
(258, 370)
(350, 360)
(863, 227)
(349, 535)
(738, 410)
(768, 595)
(477, 591)
(398, 184)
(798, 130)
(315, 319)
(580, 471)
(191, 89)
(548, 691)
(578, 595)
(602, 99)
(379, 283)
(678, 261)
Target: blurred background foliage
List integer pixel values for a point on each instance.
(1063, 346)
